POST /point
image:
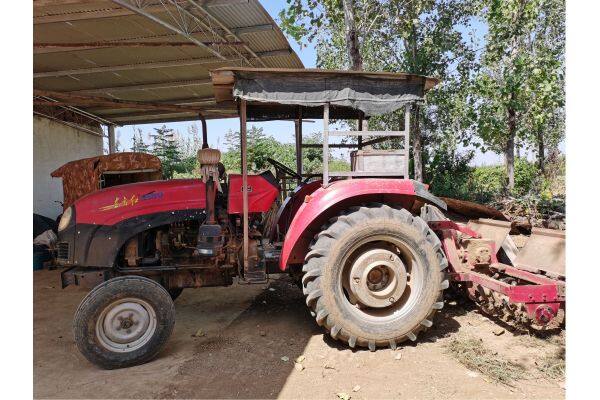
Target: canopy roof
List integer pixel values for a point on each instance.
(127, 61)
(275, 93)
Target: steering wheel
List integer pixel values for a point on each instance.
(279, 167)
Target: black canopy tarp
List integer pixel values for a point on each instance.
(277, 93)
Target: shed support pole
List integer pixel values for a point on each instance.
(326, 145)
(112, 144)
(244, 179)
(406, 139)
(298, 123)
(360, 128)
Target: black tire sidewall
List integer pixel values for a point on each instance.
(340, 309)
(84, 325)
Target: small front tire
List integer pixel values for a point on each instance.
(124, 321)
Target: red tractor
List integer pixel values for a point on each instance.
(372, 249)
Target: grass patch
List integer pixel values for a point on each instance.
(553, 365)
(475, 356)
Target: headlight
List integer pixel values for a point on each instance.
(65, 219)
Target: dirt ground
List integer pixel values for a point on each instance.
(248, 333)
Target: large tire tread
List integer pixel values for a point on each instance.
(316, 259)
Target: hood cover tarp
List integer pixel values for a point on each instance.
(373, 96)
(81, 177)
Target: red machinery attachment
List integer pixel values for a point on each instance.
(530, 292)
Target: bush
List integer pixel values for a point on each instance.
(456, 179)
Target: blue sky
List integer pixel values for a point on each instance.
(281, 130)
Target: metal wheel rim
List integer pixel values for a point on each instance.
(413, 268)
(126, 325)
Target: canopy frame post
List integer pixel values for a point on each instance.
(298, 126)
(360, 128)
(325, 145)
(406, 139)
(243, 142)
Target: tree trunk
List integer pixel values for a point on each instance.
(510, 148)
(540, 143)
(352, 45)
(417, 145)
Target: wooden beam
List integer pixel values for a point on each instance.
(129, 67)
(246, 30)
(174, 118)
(45, 48)
(146, 86)
(75, 99)
(92, 45)
(45, 3)
(102, 12)
(276, 53)
(219, 3)
(152, 65)
(203, 103)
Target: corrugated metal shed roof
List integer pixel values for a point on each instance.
(134, 61)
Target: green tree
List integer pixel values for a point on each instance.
(544, 117)
(165, 147)
(138, 145)
(418, 36)
(188, 148)
(520, 87)
(262, 146)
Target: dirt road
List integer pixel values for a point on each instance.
(250, 337)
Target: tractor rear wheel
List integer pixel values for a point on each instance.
(374, 276)
(124, 321)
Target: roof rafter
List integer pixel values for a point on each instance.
(44, 48)
(167, 25)
(152, 65)
(208, 27)
(225, 28)
(75, 99)
(247, 30)
(145, 86)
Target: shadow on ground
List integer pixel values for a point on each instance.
(245, 361)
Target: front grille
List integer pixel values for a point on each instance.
(62, 251)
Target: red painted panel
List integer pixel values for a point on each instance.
(261, 194)
(115, 204)
(322, 199)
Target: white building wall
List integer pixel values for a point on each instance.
(55, 144)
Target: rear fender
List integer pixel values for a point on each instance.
(326, 203)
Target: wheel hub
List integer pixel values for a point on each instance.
(378, 278)
(126, 325)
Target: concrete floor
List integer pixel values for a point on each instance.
(247, 332)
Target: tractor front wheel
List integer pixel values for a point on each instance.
(124, 321)
(374, 276)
